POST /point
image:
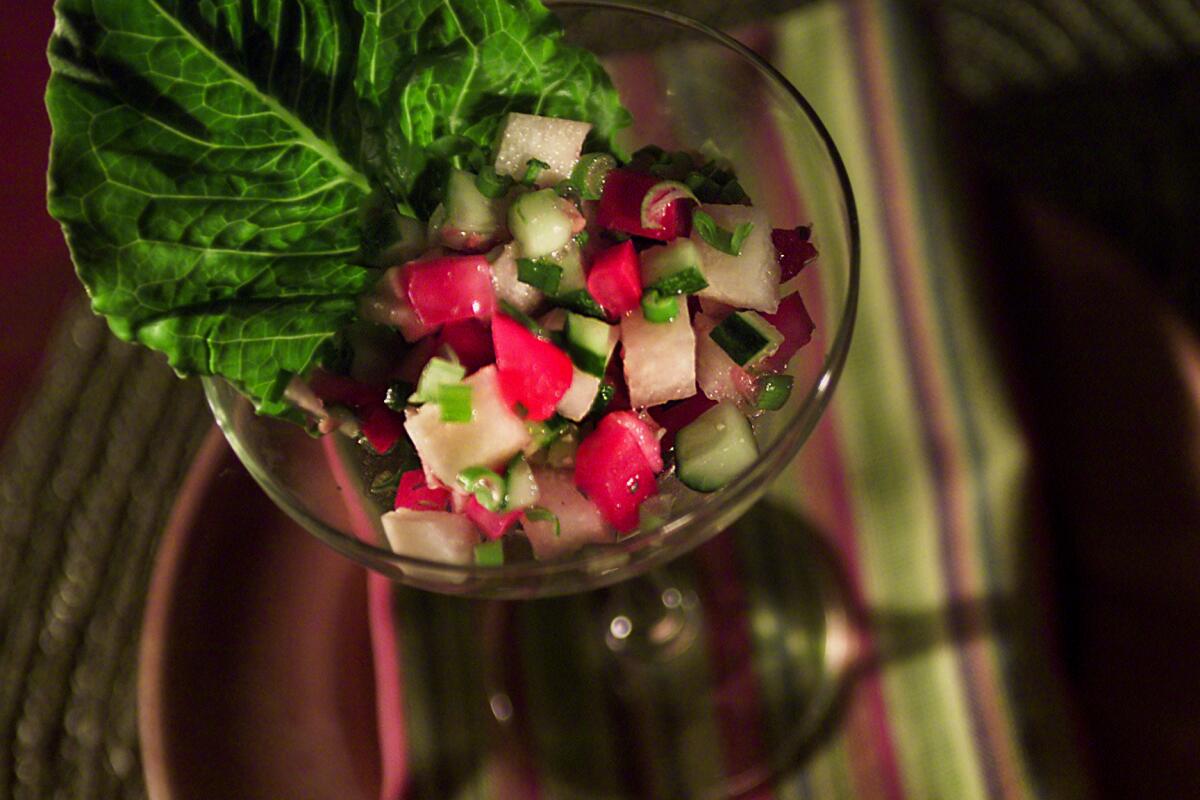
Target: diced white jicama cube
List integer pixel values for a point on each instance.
(557, 142)
(431, 535)
(579, 520)
(659, 358)
(578, 400)
(749, 280)
(718, 375)
(508, 286)
(494, 434)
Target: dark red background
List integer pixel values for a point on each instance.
(37, 275)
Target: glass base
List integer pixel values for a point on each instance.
(703, 680)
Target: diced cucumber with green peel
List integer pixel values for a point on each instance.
(673, 269)
(715, 448)
(467, 209)
(659, 359)
(521, 490)
(590, 342)
(747, 338)
(539, 223)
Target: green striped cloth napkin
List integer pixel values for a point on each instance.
(917, 481)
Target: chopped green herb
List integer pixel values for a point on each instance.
(490, 554)
(539, 273)
(486, 485)
(657, 307)
(774, 391)
(455, 402)
(719, 238)
(581, 239)
(542, 514)
(437, 372)
(533, 168)
(590, 173)
(491, 184)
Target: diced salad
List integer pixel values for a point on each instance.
(576, 330)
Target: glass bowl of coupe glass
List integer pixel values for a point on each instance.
(689, 88)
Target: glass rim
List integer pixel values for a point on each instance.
(694, 526)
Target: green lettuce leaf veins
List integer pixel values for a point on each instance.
(211, 159)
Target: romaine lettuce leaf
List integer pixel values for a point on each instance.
(210, 160)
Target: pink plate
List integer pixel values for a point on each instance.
(255, 673)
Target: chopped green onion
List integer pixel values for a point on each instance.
(455, 402)
(581, 239)
(491, 184)
(533, 168)
(546, 433)
(539, 273)
(658, 307)
(590, 173)
(490, 554)
(719, 238)
(486, 485)
(774, 391)
(397, 395)
(543, 514)
(604, 396)
(437, 372)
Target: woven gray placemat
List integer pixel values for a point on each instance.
(88, 476)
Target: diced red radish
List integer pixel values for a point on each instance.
(793, 321)
(382, 427)
(612, 470)
(494, 524)
(387, 304)
(646, 435)
(620, 207)
(794, 250)
(343, 391)
(449, 289)
(471, 341)
(533, 372)
(579, 521)
(615, 281)
(413, 492)
(676, 416)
